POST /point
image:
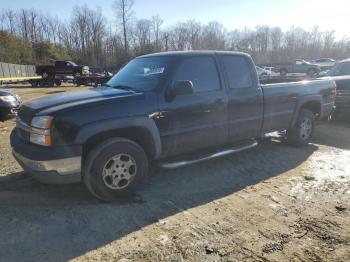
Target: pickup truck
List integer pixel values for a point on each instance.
(172, 109)
(299, 66)
(340, 73)
(66, 68)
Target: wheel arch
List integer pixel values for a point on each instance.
(313, 104)
(140, 130)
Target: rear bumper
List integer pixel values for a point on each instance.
(56, 165)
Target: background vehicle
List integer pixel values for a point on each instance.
(324, 63)
(173, 108)
(9, 104)
(298, 66)
(340, 73)
(262, 72)
(341, 68)
(66, 68)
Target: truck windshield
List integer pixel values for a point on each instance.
(141, 74)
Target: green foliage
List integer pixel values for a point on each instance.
(15, 50)
(46, 52)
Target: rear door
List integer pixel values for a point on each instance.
(198, 120)
(245, 105)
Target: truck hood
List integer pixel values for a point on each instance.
(69, 99)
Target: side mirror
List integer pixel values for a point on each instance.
(183, 87)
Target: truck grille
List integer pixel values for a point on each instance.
(23, 131)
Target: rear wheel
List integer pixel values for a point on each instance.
(115, 168)
(312, 73)
(58, 82)
(283, 72)
(303, 129)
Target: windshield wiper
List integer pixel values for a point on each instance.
(123, 87)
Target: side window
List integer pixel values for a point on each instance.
(237, 71)
(60, 63)
(201, 71)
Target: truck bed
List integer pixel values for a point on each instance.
(281, 101)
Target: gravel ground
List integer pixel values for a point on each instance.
(271, 203)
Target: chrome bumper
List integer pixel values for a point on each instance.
(63, 167)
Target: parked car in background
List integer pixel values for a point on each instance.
(324, 63)
(262, 72)
(269, 68)
(324, 73)
(61, 68)
(172, 108)
(341, 68)
(298, 66)
(9, 104)
(340, 73)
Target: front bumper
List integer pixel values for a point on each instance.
(61, 165)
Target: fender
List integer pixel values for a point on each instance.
(145, 122)
(302, 101)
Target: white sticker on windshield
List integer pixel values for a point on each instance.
(153, 71)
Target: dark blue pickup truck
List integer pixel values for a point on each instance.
(173, 108)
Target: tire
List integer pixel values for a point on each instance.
(302, 132)
(312, 73)
(58, 82)
(34, 83)
(109, 158)
(283, 72)
(2, 116)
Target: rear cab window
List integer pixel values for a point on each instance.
(238, 72)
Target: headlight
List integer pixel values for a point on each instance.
(40, 139)
(40, 133)
(8, 98)
(42, 122)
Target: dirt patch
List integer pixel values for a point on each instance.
(271, 203)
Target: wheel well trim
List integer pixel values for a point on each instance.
(302, 102)
(90, 130)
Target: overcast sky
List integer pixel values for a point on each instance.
(328, 15)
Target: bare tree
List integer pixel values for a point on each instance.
(156, 29)
(124, 13)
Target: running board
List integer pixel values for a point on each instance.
(181, 163)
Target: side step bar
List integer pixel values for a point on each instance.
(181, 163)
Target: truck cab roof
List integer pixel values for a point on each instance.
(195, 52)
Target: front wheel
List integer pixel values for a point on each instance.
(283, 72)
(303, 129)
(115, 168)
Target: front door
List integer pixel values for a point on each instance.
(198, 120)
